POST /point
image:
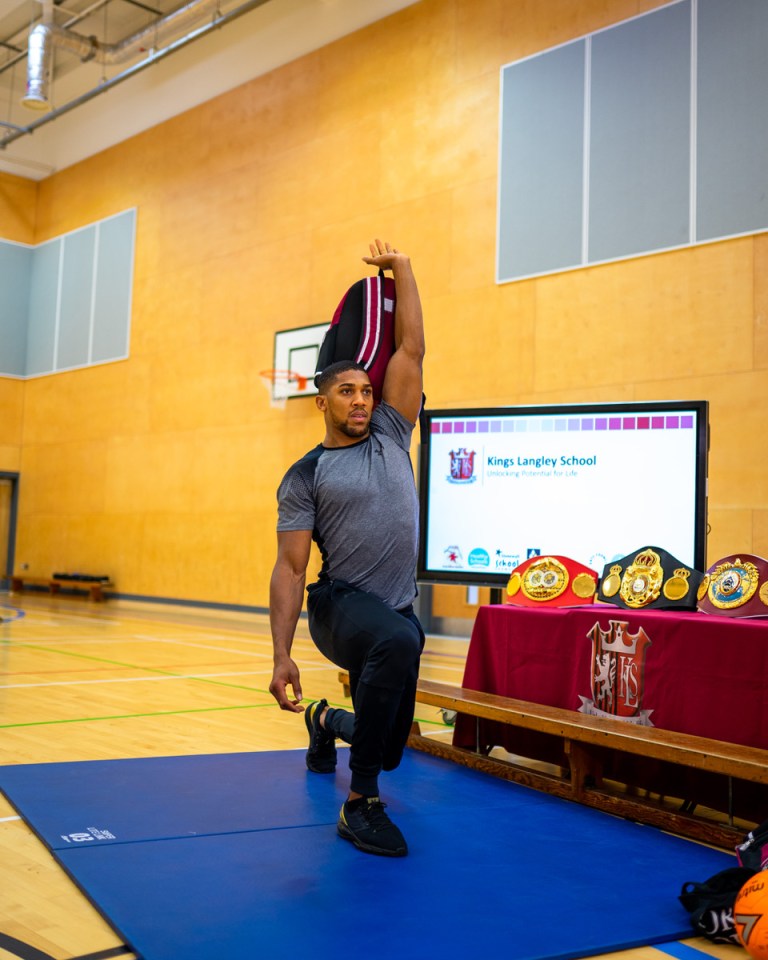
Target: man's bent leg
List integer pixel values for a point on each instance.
(393, 752)
(365, 636)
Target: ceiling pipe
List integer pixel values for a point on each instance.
(39, 55)
(131, 71)
(76, 18)
(46, 35)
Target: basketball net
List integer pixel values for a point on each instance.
(278, 384)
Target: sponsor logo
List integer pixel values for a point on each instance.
(505, 561)
(532, 552)
(479, 558)
(452, 557)
(462, 466)
(91, 833)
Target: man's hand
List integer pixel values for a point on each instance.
(285, 674)
(384, 256)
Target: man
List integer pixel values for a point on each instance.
(355, 495)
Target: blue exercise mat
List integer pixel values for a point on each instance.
(167, 797)
(236, 856)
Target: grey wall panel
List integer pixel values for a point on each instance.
(640, 135)
(15, 263)
(665, 164)
(541, 161)
(114, 285)
(67, 302)
(76, 297)
(732, 119)
(43, 302)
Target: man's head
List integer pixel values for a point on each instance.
(326, 377)
(345, 397)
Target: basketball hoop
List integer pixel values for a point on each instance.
(279, 384)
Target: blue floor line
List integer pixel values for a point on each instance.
(682, 951)
(17, 613)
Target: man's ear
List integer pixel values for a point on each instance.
(321, 402)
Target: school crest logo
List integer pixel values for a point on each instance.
(618, 674)
(462, 466)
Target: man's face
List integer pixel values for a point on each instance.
(348, 404)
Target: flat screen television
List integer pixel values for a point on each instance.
(587, 481)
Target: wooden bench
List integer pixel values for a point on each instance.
(94, 588)
(584, 740)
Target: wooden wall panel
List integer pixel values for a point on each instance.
(18, 208)
(253, 213)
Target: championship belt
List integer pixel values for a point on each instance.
(650, 579)
(736, 586)
(551, 581)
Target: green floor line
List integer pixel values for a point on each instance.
(159, 713)
(164, 673)
(135, 716)
(136, 666)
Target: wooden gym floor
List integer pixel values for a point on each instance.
(88, 681)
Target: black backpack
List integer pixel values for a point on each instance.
(363, 329)
(710, 904)
(753, 852)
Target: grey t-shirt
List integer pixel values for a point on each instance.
(360, 504)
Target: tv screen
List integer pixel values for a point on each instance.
(587, 481)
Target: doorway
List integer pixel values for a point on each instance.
(9, 496)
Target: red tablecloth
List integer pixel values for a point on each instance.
(700, 674)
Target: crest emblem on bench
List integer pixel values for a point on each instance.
(618, 673)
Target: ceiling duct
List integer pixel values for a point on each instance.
(46, 35)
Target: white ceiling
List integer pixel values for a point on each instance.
(274, 33)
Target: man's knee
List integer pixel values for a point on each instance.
(404, 643)
(393, 660)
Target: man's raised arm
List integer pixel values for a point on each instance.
(403, 382)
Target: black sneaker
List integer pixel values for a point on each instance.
(321, 755)
(370, 829)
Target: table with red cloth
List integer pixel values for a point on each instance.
(689, 671)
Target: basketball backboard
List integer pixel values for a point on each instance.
(297, 351)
